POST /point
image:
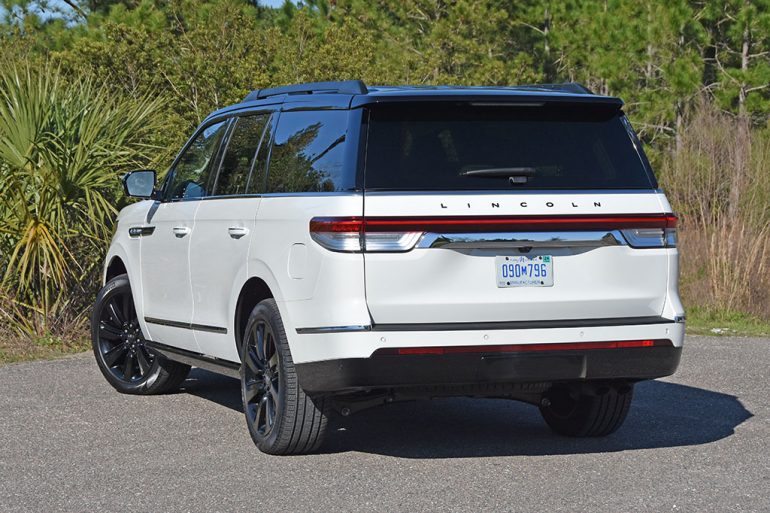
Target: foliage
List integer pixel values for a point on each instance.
(61, 147)
(92, 87)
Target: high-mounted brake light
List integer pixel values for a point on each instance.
(352, 234)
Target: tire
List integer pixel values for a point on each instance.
(118, 344)
(588, 410)
(281, 418)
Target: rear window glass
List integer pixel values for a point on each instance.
(467, 147)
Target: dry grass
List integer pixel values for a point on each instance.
(719, 183)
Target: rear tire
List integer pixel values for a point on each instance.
(281, 418)
(118, 344)
(587, 410)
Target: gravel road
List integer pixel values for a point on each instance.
(698, 441)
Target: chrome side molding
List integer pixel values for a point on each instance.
(582, 239)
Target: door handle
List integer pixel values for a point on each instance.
(180, 231)
(236, 232)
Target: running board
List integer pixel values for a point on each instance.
(193, 359)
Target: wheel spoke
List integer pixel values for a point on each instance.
(260, 341)
(274, 392)
(113, 355)
(260, 415)
(108, 332)
(116, 314)
(144, 364)
(128, 367)
(252, 361)
(267, 345)
(273, 362)
(251, 390)
(128, 307)
(269, 412)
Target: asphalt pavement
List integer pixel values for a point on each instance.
(697, 441)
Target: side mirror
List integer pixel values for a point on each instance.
(140, 184)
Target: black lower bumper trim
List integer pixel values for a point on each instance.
(196, 359)
(463, 369)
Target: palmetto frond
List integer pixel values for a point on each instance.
(62, 148)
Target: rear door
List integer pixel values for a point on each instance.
(510, 214)
(224, 233)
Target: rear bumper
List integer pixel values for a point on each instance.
(391, 371)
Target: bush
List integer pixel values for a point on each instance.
(62, 148)
(718, 181)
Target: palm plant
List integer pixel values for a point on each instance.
(62, 148)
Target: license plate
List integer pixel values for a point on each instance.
(524, 271)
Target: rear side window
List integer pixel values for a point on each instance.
(192, 173)
(308, 153)
(240, 155)
(469, 147)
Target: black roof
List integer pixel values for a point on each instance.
(354, 93)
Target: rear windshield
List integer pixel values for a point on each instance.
(491, 147)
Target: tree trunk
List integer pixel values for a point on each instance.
(743, 134)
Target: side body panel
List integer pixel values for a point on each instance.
(165, 275)
(313, 286)
(128, 250)
(219, 249)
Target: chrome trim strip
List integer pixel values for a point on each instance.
(332, 329)
(499, 240)
(494, 325)
(186, 325)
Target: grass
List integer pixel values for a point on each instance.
(22, 349)
(709, 321)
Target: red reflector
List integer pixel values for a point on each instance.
(491, 224)
(523, 348)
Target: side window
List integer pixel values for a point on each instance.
(256, 184)
(239, 157)
(192, 174)
(308, 153)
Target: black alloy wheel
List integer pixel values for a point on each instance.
(121, 342)
(261, 381)
(280, 416)
(120, 349)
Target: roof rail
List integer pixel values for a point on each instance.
(565, 87)
(341, 87)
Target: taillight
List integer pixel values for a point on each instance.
(400, 234)
(663, 236)
(337, 233)
(349, 234)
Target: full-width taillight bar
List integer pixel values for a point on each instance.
(402, 233)
(523, 348)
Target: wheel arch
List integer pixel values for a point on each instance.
(252, 292)
(114, 268)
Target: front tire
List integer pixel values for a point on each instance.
(281, 418)
(587, 410)
(118, 344)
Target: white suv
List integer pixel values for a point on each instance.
(336, 247)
